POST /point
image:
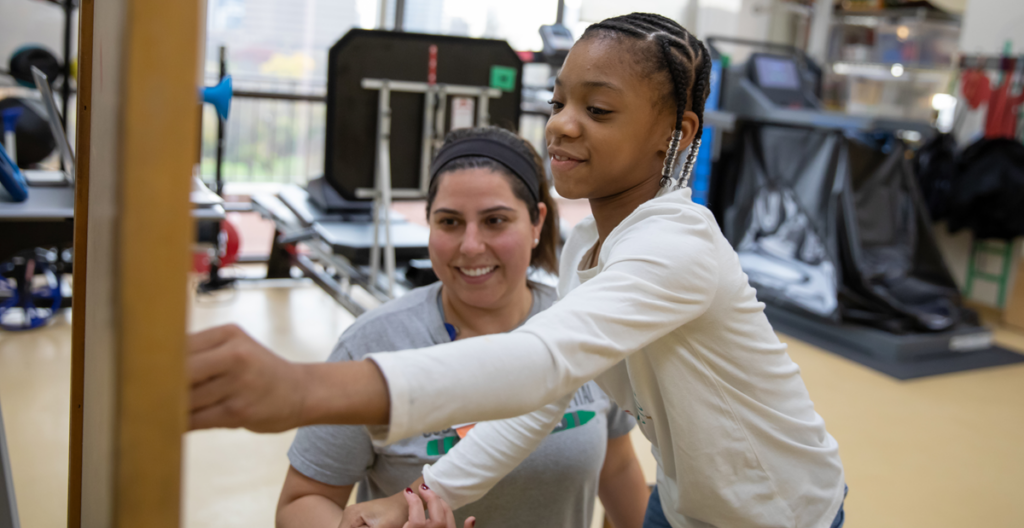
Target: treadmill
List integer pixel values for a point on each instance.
(826, 217)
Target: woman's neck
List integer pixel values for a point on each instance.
(472, 321)
(610, 211)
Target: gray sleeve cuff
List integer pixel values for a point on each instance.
(338, 455)
(319, 474)
(619, 423)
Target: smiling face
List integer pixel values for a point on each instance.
(609, 127)
(481, 238)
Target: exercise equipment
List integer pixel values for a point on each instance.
(783, 86)
(32, 133)
(219, 96)
(10, 141)
(464, 67)
(391, 99)
(217, 245)
(33, 56)
(557, 41)
(825, 214)
(56, 124)
(11, 179)
(29, 290)
(218, 241)
(224, 250)
(337, 247)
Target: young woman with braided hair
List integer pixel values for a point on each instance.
(653, 305)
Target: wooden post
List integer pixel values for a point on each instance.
(138, 93)
(82, 150)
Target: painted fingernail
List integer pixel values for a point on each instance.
(408, 490)
(472, 522)
(424, 487)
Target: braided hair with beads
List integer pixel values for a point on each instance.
(688, 65)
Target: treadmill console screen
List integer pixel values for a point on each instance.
(777, 73)
(779, 78)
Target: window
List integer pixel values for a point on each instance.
(281, 46)
(280, 43)
(517, 22)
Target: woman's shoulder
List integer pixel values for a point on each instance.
(399, 324)
(412, 304)
(544, 296)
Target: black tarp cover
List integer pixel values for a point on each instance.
(836, 227)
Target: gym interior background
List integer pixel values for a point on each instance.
(913, 353)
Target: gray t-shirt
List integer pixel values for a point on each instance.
(554, 487)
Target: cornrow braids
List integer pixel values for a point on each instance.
(701, 85)
(679, 53)
(680, 80)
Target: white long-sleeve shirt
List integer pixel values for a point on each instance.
(668, 325)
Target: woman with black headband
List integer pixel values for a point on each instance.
(491, 219)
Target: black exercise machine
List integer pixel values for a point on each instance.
(825, 214)
(391, 99)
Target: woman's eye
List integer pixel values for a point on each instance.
(496, 221)
(447, 222)
(598, 111)
(555, 105)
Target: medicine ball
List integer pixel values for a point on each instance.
(27, 56)
(35, 141)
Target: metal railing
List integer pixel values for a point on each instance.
(270, 136)
(275, 133)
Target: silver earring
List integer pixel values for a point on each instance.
(535, 242)
(670, 157)
(691, 158)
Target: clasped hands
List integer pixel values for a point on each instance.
(403, 510)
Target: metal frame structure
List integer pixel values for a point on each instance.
(335, 273)
(433, 133)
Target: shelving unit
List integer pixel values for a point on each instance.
(890, 62)
(68, 7)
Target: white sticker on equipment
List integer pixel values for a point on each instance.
(970, 342)
(463, 112)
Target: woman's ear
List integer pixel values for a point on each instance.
(542, 214)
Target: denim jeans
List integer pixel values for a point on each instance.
(655, 516)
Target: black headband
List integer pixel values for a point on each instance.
(516, 162)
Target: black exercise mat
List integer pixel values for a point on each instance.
(920, 368)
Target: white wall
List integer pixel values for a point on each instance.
(747, 19)
(987, 24)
